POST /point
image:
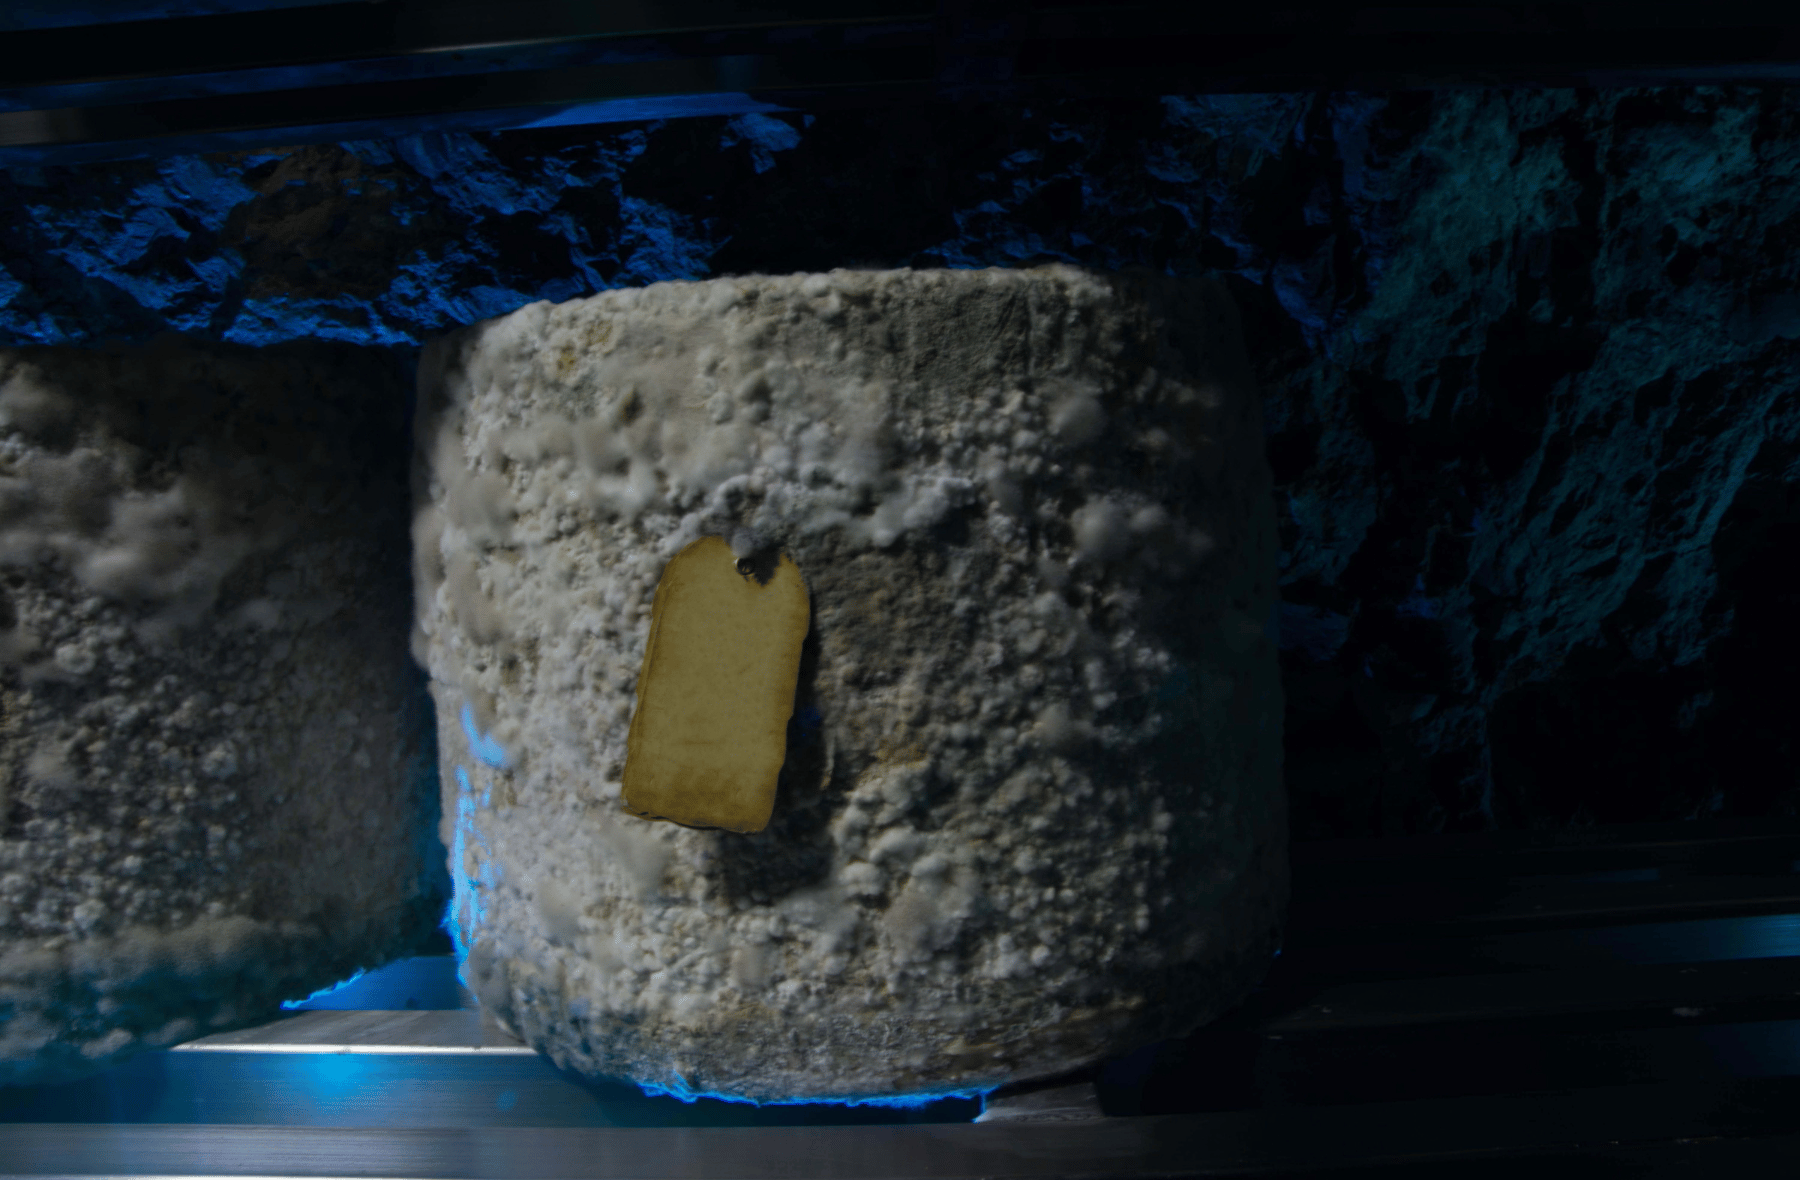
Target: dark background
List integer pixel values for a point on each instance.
(1529, 361)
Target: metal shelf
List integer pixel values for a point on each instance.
(274, 73)
(1462, 1006)
(1618, 1131)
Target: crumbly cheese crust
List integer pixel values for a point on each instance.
(1032, 809)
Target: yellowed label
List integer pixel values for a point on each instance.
(716, 690)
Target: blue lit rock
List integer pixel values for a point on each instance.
(214, 770)
(1031, 813)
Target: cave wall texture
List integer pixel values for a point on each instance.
(1529, 362)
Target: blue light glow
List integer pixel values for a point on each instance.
(483, 746)
(674, 106)
(1692, 940)
(324, 991)
(466, 911)
(423, 982)
(326, 1077)
(685, 1093)
(1704, 940)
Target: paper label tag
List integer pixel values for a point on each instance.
(716, 689)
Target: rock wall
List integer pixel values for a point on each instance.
(1527, 358)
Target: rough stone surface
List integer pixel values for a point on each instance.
(1031, 811)
(1528, 363)
(214, 766)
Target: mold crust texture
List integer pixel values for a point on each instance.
(1030, 811)
(215, 763)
